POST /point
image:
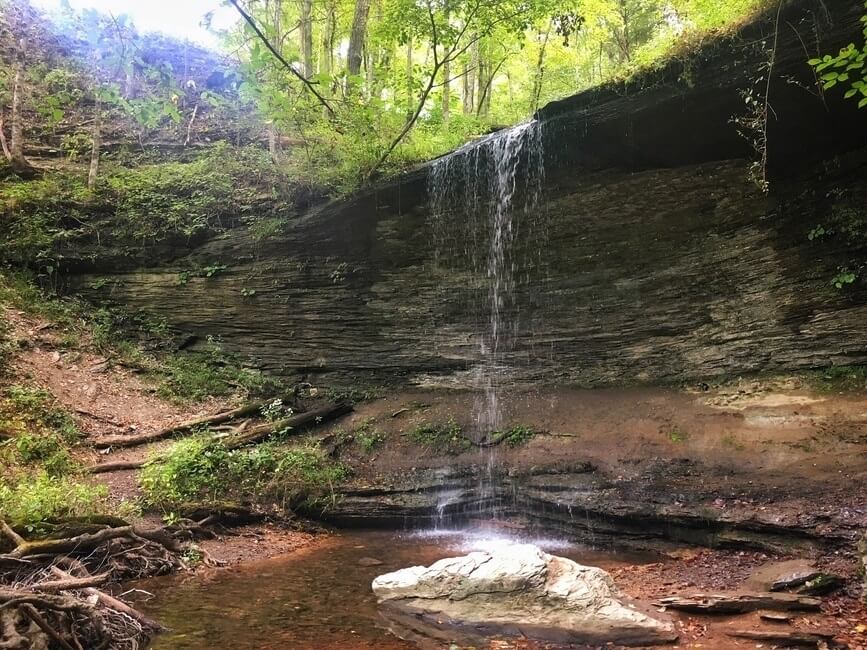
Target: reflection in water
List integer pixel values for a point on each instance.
(314, 599)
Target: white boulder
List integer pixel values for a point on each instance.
(515, 591)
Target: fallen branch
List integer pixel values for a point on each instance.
(296, 423)
(104, 468)
(739, 603)
(72, 583)
(250, 408)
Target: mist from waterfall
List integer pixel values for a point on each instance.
(484, 198)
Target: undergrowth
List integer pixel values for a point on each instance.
(200, 469)
(40, 479)
(44, 219)
(515, 436)
(447, 437)
(839, 379)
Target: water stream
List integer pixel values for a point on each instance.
(315, 599)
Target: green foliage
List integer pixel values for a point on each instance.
(846, 68)
(844, 277)
(519, 434)
(677, 436)
(154, 202)
(25, 408)
(187, 377)
(447, 437)
(38, 433)
(201, 469)
(43, 218)
(33, 500)
(192, 469)
(368, 436)
(840, 379)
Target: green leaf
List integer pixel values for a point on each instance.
(851, 93)
(863, 102)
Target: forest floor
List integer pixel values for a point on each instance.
(780, 436)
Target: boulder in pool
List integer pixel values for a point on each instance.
(517, 591)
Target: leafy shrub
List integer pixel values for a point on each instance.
(33, 500)
(192, 469)
(202, 469)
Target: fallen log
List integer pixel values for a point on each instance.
(252, 436)
(105, 468)
(787, 638)
(738, 603)
(113, 603)
(250, 408)
(295, 423)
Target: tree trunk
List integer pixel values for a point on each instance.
(96, 136)
(469, 83)
(326, 59)
(356, 38)
(16, 142)
(540, 70)
(306, 26)
(447, 91)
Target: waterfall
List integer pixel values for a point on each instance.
(484, 201)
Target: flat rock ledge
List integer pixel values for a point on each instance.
(517, 591)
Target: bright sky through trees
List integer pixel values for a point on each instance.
(179, 18)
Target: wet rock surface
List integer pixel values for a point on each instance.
(515, 591)
(602, 509)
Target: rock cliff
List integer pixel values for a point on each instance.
(654, 256)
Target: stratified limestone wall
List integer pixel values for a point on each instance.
(655, 257)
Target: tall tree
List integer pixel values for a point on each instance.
(305, 26)
(357, 37)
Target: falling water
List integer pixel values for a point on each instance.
(484, 201)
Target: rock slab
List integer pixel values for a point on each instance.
(515, 591)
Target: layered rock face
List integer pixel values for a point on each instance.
(515, 591)
(653, 255)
